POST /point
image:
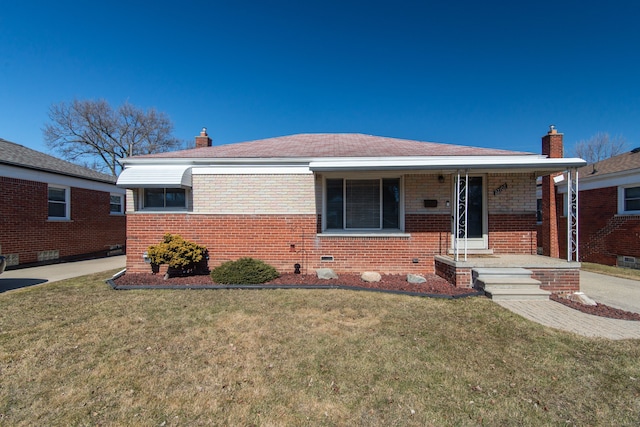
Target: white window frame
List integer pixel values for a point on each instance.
(67, 203)
(350, 177)
(141, 200)
(121, 197)
(621, 200)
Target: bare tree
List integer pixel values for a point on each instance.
(94, 134)
(599, 147)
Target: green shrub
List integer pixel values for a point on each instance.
(244, 271)
(179, 254)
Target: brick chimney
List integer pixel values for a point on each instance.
(203, 140)
(552, 148)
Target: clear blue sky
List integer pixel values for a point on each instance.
(488, 74)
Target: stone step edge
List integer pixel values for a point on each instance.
(501, 271)
(506, 280)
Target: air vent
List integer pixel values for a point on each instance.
(326, 258)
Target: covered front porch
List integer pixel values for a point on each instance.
(555, 275)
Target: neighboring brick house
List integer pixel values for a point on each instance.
(52, 210)
(609, 215)
(351, 202)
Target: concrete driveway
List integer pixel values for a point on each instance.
(23, 277)
(611, 291)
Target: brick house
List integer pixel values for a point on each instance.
(52, 210)
(609, 216)
(351, 202)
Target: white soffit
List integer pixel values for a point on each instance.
(164, 176)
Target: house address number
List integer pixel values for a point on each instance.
(500, 189)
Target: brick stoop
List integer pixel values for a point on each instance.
(513, 284)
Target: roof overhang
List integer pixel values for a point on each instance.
(539, 164)
(156, 176)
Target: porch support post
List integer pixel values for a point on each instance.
(572, 215)
(460, 227)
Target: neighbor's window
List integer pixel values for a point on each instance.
(632, 199)
(165, 198)
(363, 204)
(115, 204)
(58, 203)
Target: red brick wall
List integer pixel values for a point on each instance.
(269, 238)
(513, 233)
(603, 234)
(460, 277)
(552, 147)
(25, 230)
(558, 281)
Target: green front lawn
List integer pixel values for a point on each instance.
(79, 353)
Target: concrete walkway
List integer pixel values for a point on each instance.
(612, 291)
(23, 277)
(558, 316)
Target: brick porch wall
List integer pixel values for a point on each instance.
(558, 281)
(458, 277)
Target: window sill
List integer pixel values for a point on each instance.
(365, 234)
(163, 210)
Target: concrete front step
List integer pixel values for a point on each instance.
(508, 284)
(501, 271)
(500, 294)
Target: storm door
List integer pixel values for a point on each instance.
(470, 220)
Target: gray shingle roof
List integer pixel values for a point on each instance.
(327, 145)
(622, 162)
(17, 155)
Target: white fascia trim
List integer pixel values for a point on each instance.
(528, 163)
(55, 179)
(156, 176)
(216, 161)
(525, 163)
(252, 170)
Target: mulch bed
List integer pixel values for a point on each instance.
(435, 286)
(601, 310)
